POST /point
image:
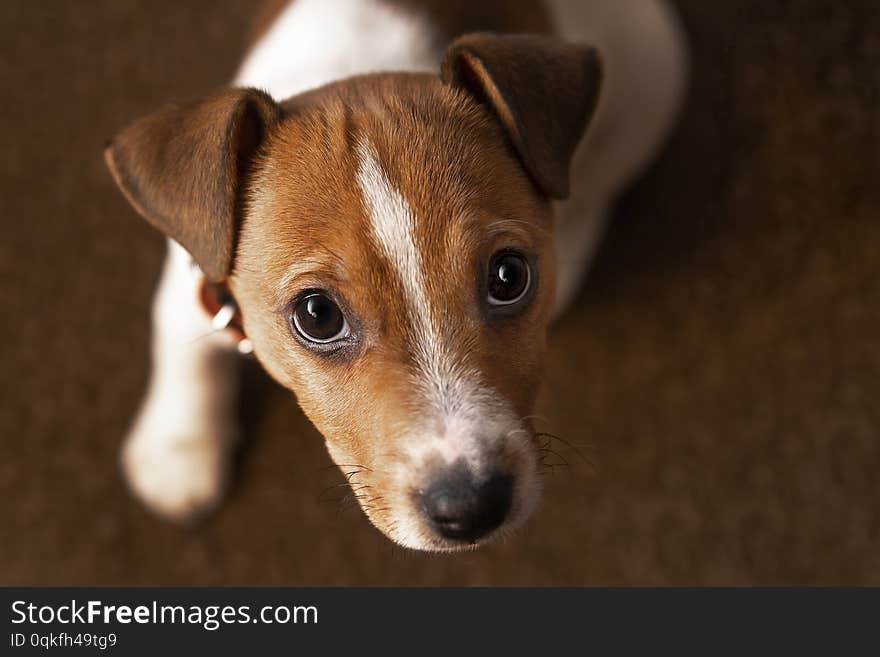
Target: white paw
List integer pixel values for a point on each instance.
(180, 479)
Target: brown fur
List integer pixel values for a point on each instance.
(544, 92)
(182, 169)
(451, 162)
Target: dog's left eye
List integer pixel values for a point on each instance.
(317, 318)
(509, 278)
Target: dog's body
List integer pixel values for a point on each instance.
(354, 183)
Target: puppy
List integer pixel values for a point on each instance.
(388, 207)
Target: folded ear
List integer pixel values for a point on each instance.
(543, 90)
(184, 167)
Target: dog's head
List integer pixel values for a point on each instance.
(389, 241)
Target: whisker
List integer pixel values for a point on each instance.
(332, 488)
(334, 466)
(551, 437)
(563, 463)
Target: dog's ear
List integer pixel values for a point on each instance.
(184, 168)
(543, 90)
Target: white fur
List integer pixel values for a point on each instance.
(644, 73)
(318, 41)
(176, 455)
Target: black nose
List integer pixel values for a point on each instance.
(464, 509)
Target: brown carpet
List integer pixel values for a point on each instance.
(721, 368)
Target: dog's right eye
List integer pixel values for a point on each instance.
(317, 318)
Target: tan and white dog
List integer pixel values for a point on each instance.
(398, 195)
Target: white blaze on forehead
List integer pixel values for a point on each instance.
(393, 226)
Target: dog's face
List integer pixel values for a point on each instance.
(411, 320)
(393, 261)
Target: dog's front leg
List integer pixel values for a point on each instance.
(177, 455)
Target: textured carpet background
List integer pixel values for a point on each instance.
(721, 368)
